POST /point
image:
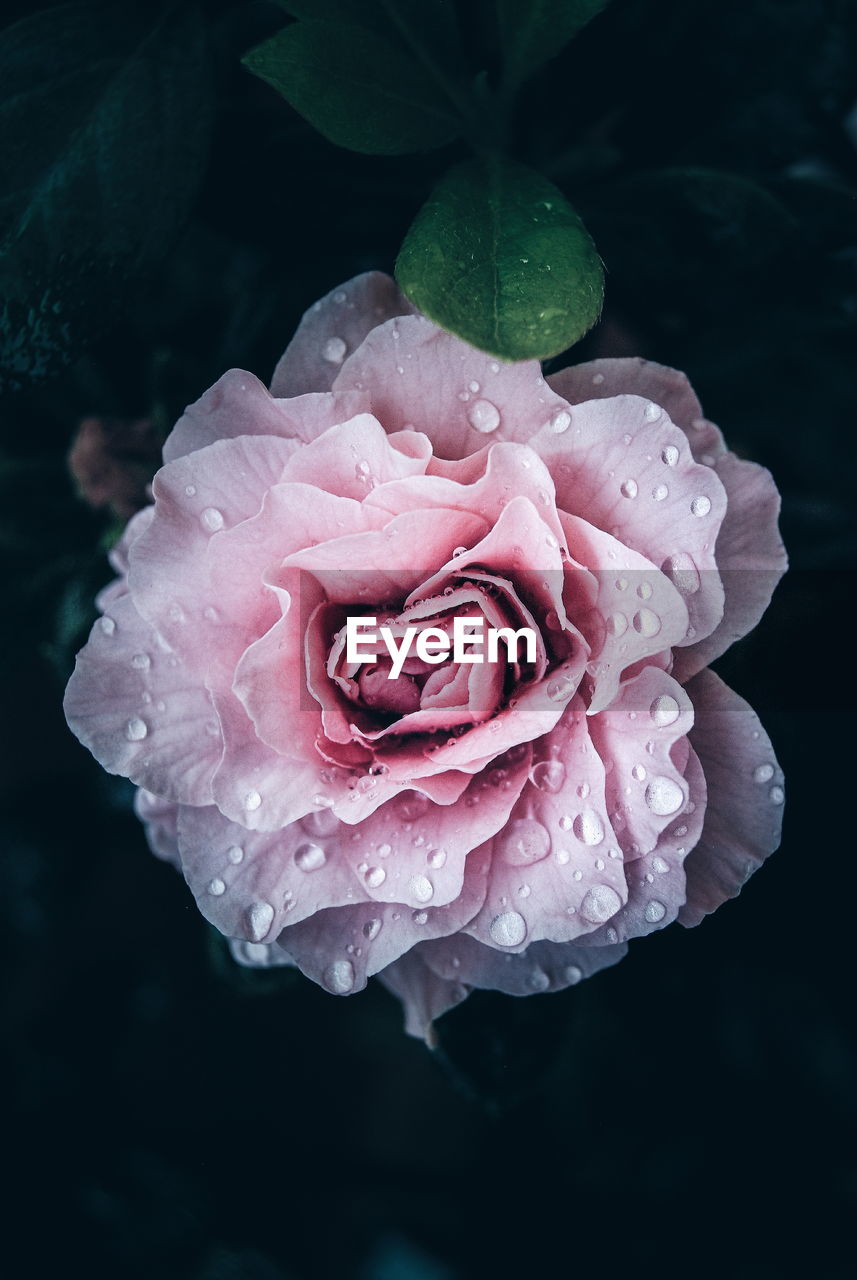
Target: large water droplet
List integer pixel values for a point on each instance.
(664, 796)
(600, 904)
(483, 416)
(437, 858)
(411, 805)
(260, 917)
(549, 776)
(763, 773)
(669, 455)
(588, 827)
(252, 800)
(375, 877)
(523, 842)
(216, 887)
(654, 912)
(422, 888)
(647, 622)
(561, 688)
(682, 572)
(508, 929)
(371, 929)
(629, 488)
(700, 506)
(334, 350)
(560, 422)
(211, 519)
(339, 977)
(664, 710)
(309, 857)
(136, 729)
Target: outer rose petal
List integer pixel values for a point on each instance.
(750, 556)
(418, 376)
(196, 499)
(161, 820)
(543, 966)
(342, 947)
(140, 711)
(332, 328)
(249, 883)
(625, 467)
(425, 996)
(556, 869)
(749, 552)
(239, 405)
(743, 817)
(656, 881)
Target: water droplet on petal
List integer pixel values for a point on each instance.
(422, 888)
(339, 977)
(549, 776)
(560, 422)
(371, 929)
(682, 572)
(309, 857)
(654, 912)
(647, 622)
(664, 796)
(411, 805)
(588, 827)
(660, 492)
(523, 842)
(260, 917)
(617, 623)
(763, 773)
(600, 904)
(483, 416)
(136, 729)
(216, 887)
(235, 854)
(571, 972)
(508, 929)
(629, 489)
(664, 710)
(437, 858)
(141, 661)
(777, 795)
(334, 351)
(375, 877)
(211, 519)
(561, 688)
(660, 865)
(700, 506)
(644, 591)
(669, 455)
(652, 412)
(252, 800)
(639, 772)
(108, 626)
(419, 917)
(190, 490)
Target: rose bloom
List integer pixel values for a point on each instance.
(506, 825)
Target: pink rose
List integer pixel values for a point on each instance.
(506, 825)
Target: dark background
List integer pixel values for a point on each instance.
(690, 1111)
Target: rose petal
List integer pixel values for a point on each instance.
(354, 457)
(743, 816)
(334, 327)
(140, 711)
(418, 376)
(424, 995)
(543, 966)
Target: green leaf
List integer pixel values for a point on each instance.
(499, 257)
(357, 88)
(534, 31)
(103, 137)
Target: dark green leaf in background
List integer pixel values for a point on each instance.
(358, 87)
(534, 31)
(103, 137)
(498, 256)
